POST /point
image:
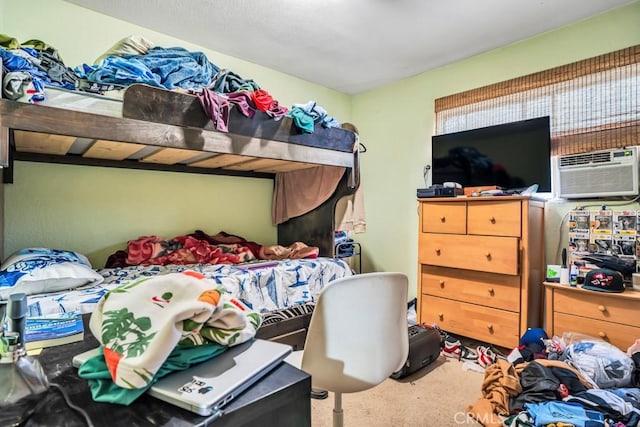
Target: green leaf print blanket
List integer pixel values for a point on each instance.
(140, 324)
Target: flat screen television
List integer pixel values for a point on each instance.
(513, 156)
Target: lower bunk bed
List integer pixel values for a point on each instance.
(283, 292)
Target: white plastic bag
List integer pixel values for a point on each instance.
(601, 363)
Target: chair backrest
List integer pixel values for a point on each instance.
(358, 332)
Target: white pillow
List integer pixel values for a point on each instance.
(40, 270)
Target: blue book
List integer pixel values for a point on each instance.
(53, 330)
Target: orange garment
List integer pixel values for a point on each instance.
(482, 412)
(500, 382)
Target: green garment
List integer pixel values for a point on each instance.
(302, 120)
(37, 45)
(8, 42)
(103, 389)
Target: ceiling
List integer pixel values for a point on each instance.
(351, 45)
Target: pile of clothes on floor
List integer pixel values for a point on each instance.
(573, 380)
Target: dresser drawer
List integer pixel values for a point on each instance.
(619, 335)
(494, 218)
(488, 289)
(475, 321)
(480, 253)
(597, 306)
(444, 217)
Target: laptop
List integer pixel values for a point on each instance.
(207, 387)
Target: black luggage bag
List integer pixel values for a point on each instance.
(424, 347)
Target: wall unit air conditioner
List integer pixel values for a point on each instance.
(603, 173)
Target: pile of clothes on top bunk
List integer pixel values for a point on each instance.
(573, 380)
(30, 66)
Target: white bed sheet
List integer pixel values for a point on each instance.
(264, 287)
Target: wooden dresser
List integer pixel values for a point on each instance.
(481, 266)
(610, 316)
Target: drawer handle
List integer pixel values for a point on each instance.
(602, 334)
(491, 291)
(441, 316)
(490, 327)
(492, 220)
(602, 308)
(437, 251)
(488, 255)
(442, 283)
(443, 219)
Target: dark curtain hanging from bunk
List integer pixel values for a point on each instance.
(594, 104)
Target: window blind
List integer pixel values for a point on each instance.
(593, 104)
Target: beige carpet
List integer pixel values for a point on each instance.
(435, 396)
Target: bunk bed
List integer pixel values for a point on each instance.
(158, 129)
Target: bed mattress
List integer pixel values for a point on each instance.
(265, 287)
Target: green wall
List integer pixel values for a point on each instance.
(395, 122)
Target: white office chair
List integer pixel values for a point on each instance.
(357, 335)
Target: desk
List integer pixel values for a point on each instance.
(282, 398)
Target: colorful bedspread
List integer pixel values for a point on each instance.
(263, 286)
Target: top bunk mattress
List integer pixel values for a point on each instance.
(264, 286)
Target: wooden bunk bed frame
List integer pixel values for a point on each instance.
(164, 130)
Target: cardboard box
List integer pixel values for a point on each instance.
(475, 191)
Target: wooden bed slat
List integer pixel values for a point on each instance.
(256, 164)
(286, 167)
(170, 156)
(220, 161)
(43, 143)
(112, 150)
(269, 166)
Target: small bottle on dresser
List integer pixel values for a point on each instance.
(573, 275)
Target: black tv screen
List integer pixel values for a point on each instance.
(513, 156)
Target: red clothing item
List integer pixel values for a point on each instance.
(262, 99)
(201, 248)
